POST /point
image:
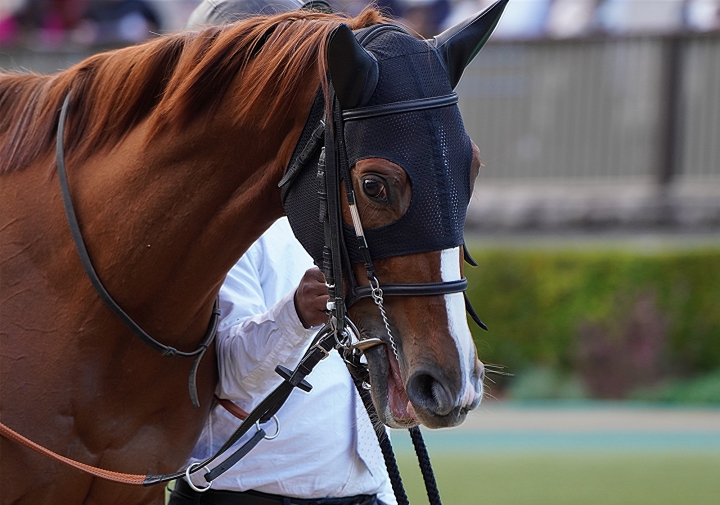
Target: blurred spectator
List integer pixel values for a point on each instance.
(571, 18)
(522, 19)
(392, 8)
(656, 16)
(640, 16)
(52, 23)
(9, 28)
(702, 15)
(527, 19)
(425, 16)
(48, 21)
(352, 7)
(117, 22)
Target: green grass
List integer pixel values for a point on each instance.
(595, 478)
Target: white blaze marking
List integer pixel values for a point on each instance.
(457, 320)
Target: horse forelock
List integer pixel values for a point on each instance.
(259, 63)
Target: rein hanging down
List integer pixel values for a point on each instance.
(163, 349)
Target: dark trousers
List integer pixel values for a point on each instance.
(183, 494)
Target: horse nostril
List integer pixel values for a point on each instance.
(428, 393)
(480, 371)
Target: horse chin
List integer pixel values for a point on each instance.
(388, 391)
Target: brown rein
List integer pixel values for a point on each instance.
(123, 478)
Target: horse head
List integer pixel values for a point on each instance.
(397, 139)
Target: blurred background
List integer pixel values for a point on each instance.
(595, 224)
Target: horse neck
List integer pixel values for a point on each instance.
(185, 205)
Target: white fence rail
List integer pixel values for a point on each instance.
(597, 108)
(584, 133)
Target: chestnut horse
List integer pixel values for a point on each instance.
(174, 150)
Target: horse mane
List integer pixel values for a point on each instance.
(169, 81)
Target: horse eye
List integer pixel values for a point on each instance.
(375, 189)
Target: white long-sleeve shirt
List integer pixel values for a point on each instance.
(326, 446)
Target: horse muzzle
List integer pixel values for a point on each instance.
(425, 398)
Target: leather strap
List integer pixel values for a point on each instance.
(123, 478)
(299, 163)
(470, 310)
(425, 289)
(400, 107)
(100, 287)
(232, 408)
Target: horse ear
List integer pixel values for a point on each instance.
(353, 70)
(458, 45)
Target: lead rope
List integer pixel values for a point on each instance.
(360, 376)
(425, 466)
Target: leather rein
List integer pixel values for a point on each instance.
(163, 349)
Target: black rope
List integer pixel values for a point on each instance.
(385, 445)
(393, 471)
(425, 466)
(360, 375)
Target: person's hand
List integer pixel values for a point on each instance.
(311, 298)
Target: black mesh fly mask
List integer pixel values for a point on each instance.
(409, 116)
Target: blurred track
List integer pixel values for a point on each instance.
(572, 427)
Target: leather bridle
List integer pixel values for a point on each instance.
(102, 292)
(339, 331)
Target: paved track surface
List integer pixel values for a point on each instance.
(576, 427)
(592, 417)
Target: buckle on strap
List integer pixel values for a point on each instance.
(192, 468)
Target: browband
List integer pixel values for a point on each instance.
(400, 107)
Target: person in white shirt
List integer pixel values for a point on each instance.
(326, 451)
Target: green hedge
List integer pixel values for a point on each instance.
(539, 304)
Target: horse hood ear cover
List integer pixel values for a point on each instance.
(377, 79)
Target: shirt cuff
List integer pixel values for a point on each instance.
(287, 319)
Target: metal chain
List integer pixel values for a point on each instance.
(377, 295)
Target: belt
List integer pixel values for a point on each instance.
(223, 497)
